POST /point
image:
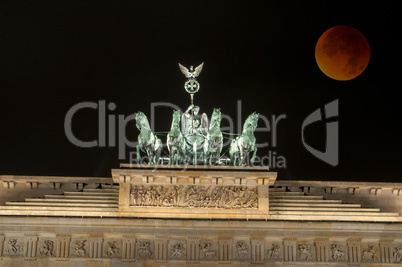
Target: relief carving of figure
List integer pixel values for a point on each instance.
(242, 249)
(178, 251)
(112, 249)
(141, 195)
(144, 249)
(194, 196)
(370, 253)
(337, 253)
(273, 252)
(304, 252)
(168, 199)
(191, 192)
(13, 248)
(160, 196)
(80, 248)
(398, 255)
(207, 253)
(47, 248)
(134, 196)
(150, 196)
(227, 197)
(177, 192)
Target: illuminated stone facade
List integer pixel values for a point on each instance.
(171, 217)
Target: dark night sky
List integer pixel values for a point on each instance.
(55, 54)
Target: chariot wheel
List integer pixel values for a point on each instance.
(191, 203)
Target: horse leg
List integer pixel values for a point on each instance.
(231, 156)
(253, 157)
(138, 154)
(157, 155)
(151, 156)
(172, 159)
(203, 155)
(214, 157)
(218, 155)
(241, 160)
(233, 159)
(180, 155)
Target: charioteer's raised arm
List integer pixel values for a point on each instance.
(186, 120)
(187, 113)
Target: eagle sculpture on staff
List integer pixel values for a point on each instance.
(191, 86)
(191, 73)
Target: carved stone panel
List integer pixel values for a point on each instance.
(241, 249)
(177, 249)
(370, 252)
(397, 253)
(305, 251)
(338, 252)
(144, 249)
(194, 196)
(208, 250)
(46, 247)
(13, 246)
(274, 251)
(112, 248)
(79, 248)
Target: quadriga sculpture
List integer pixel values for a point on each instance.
(148, 142)
(244, 144)
(195, 140)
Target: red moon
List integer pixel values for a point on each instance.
(342, 53)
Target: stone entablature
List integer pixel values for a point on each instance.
(201, 193)
(231, 240)
(200, 243)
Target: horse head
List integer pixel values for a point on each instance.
(251, 121)
(216, 118)
(176, 119)
(141, 120)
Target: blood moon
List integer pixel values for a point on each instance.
(342, 53)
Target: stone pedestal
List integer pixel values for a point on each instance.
(202, 192)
